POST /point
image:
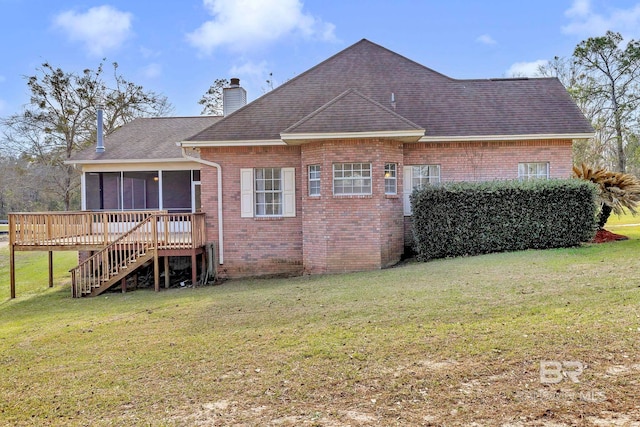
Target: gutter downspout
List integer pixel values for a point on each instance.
(220, 228)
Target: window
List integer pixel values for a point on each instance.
(314, 180)
(424, 175)
(351, 178)
(390, 179)
(267, 192)
(538, 170)
(417, 177)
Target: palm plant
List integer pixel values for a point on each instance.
(617, 191)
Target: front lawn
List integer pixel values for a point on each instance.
(448, 342)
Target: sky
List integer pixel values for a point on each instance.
(178, 48)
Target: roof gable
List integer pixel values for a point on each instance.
(348, 113)
(443, 106)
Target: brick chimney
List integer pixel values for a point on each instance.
(234, 97)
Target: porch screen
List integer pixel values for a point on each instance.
(176, 191)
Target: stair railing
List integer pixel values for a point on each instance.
(98, 269)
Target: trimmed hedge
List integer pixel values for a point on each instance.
(464, 218)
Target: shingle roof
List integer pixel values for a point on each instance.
(441, 105)
(151, 138)
(351, 112)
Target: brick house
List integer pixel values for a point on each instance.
(315, 176)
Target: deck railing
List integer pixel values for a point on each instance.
(181, 230)
(134, 234)
(98, 229)
(72, 228)
(159, 231)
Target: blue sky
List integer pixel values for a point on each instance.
(179, 48)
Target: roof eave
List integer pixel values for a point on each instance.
(251, 143)
(413, 135)
(514, 137)
(129, 161)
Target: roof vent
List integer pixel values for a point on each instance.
(234, 97)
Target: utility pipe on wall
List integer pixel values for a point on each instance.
(220, 228)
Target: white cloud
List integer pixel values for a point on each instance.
(486, 39)
(253, 76)
(579, 8)
(152, 70)
(100, 29)
(526, 69)
(241, 25)
(149, 53)
(249, 68)
(585, 22)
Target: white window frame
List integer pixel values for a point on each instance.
(267, 191)
(355, 175)
(391, 179)
(525, 173)
(248, 193)
(315, 173)
(414, 177)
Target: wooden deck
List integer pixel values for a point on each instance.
(108, 235)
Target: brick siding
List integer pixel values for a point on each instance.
(346, 233)
(349, 233)
(252, 246)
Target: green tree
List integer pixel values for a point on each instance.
(211, 101)
(578, 83)
(611, 83)
(60, 118)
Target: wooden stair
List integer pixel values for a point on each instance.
(125, 270)
(116, 261)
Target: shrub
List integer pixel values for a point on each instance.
(616, 190)
(457, 219)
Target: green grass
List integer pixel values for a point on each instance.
(626, 219)
(32, 271)
(4, 227)
(447, 342)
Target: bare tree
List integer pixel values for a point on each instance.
(211, 101)
(60, 118)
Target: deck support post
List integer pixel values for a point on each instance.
(156, 261)
(123, 284)
(203, 266)
(12, 254)
(12, 267)
(167, 278)
(194, 268)
(156, 272)
(51, 269)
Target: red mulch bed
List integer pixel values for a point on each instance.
(603, 236)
